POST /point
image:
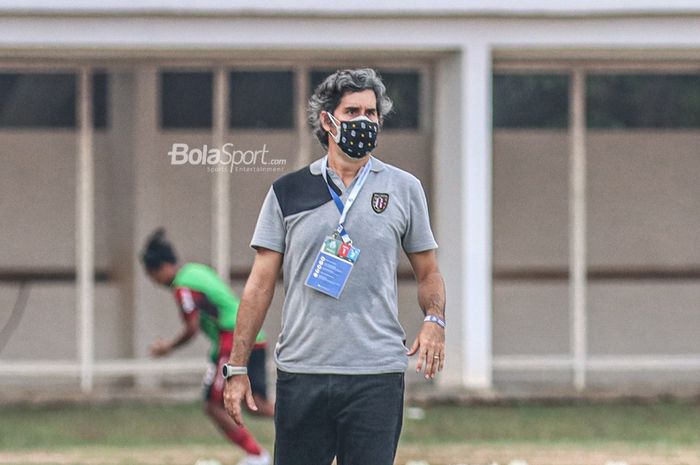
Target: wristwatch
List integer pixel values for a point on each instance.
(435, 319)
(232, 370)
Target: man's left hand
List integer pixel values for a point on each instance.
(430, 346)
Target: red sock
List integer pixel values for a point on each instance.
(245, 440)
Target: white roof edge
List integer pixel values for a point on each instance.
(312, 8)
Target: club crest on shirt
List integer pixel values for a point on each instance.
(379, 202)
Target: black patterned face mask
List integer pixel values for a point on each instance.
(357, 137)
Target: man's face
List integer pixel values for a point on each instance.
(352, 105)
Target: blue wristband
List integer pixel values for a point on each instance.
(435, 319)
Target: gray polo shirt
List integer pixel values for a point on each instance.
(359, 333)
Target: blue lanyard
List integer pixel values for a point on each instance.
(345, 208)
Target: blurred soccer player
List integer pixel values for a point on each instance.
(207, 303)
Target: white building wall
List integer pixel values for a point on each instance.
(461, 45)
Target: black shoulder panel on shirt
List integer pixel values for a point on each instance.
(301, 191)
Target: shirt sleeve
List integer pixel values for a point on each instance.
(270, 231)
(185, 300)
(418, 236)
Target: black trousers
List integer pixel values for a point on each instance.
(356, 418)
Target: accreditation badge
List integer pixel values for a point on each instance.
(332, 267)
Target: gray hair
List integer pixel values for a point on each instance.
(327, 96)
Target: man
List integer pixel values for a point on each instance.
(336, 229)
(207, 303)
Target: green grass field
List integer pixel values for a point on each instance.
(658, 433)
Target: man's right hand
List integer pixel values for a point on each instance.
(238, 388)
(256, 299)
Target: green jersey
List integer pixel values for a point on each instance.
(201, 293)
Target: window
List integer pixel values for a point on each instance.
(262, 99)
(643, 101)
(100, 86)
(37, 100)
(404, 89)
(186, 100)
(530, 101)
(318, 76)
(48, 100)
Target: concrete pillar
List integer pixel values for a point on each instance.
(221, 185)
(121, 199)
(85, 232)
(463, 191)
(146, 206)
(578, 266)
(449, 190)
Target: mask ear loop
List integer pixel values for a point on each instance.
(332, 119)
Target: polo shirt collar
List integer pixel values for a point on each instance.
(315, 167)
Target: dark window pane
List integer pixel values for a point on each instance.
(186, 100)
(643, 101)
(318, 76)
(530, 101)
(100, 84)
(262, 99)
(37, 100)
(402, 87)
